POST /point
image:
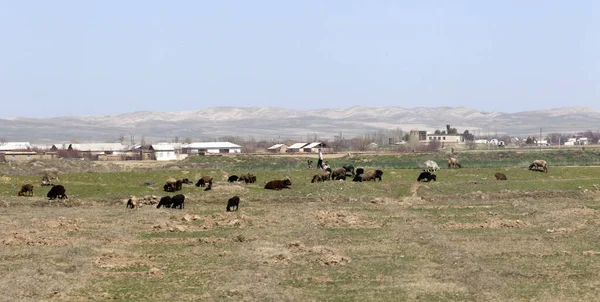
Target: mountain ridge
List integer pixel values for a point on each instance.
(269, 122)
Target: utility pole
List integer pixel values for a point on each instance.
(540, 140)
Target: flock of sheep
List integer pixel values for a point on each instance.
(360, 175)
(431, 166)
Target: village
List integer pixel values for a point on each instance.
(415, 140)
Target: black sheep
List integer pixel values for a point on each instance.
(360, 171)
(232, 203)
(165, 202)
(427, 176)
(57, 191)
(233, 178)
(177, 201)
(169, 187)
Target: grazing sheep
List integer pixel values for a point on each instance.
(165, 202)
(232, 203)
(337, 172)
(248, 178)
(132, 202)
(204, 181)
(322, 176)
(169, 188)
(233, 178)
(371, 175)
(357, 178)
(340, 177)
(171, 185)
(178, 185)
(431, 166)
(187, 181)
(500, 176)
(427, 176)
(48, 177)
(57, 191)
(177, 201)
(539, 164)
(360, 171)
(349, 169)
(278, 184)
(453, 162)
(26, 188)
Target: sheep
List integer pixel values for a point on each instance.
(248, 178)
(57, 191)
(368, 176)
(322, 176)
(360, 171)
(349, 169)
(232, 178)
(204, 181)
(165, 201)
(171, 185)
(131, 203)
(48, 177)
(169, 188)
(26, 188)
(431, 166)
(177, 201)
(539, 164)
(187, 181)
(453, 162)
(340, 177)
(337, 172)
(500, 176)
(427, 176)
(209, 187)
(278, 184)
(232, 203)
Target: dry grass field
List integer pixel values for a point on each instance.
(465, 237)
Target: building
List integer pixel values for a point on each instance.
(15, 146)
(278, 148)
(92, 149)
(163, 151)
(23, 156)
(211, 147)
(297, 147)
(313, 147)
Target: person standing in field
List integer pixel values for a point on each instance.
(320, 162)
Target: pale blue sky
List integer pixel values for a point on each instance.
(62, 58)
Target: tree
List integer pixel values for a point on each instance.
(529, 141)
(468, 136)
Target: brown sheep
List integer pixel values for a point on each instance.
(453, 162)
(370, 175)
(338, 172)
(500, 176)
(247, 178)
(278, 184)
(322, 176)
(205, 180)
(539, 164)
(27, 188)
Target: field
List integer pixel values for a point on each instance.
(465, 237)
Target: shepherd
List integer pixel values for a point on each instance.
(320, 162)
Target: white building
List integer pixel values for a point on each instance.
(163, 151)
(277, 148)
(14, 146)
(212, 147)
(297, 147)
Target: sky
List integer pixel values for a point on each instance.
(63, 58)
